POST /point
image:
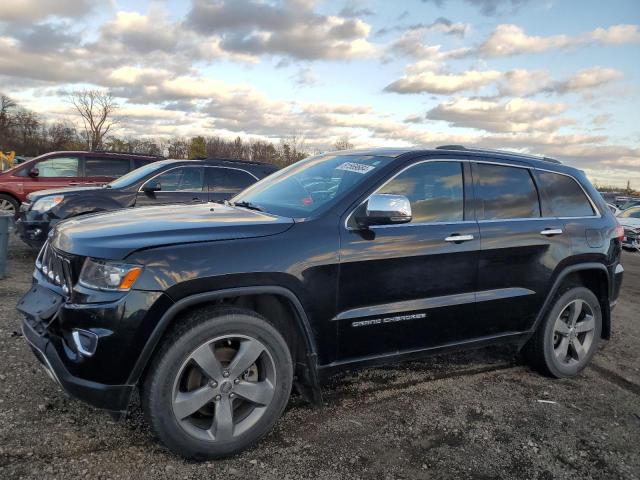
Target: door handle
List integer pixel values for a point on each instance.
(551, 231)
(456, 238)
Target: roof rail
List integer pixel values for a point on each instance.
(238, 160)
(502, 152)
(119, 152)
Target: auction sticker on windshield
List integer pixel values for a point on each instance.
(355, 167)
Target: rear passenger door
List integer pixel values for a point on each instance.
(520, 247)
(224, 183)
(101, 170)
(177, 185)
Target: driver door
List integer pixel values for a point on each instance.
(411, 286)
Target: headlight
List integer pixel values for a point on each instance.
(104, 275)
(47, 203)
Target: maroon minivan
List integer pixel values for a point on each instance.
(64, 169)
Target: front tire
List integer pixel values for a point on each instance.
(568, 337)
(218, 383)
(8, 204)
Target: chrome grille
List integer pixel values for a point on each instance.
(55, 267)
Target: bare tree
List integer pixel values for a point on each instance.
(97, 109)
(343, 143)
(6, 106)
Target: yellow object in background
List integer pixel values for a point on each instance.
(6, 160)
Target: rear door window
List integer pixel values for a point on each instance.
(228, 180)
(505, 192)
(435, 190)
(566, 197)
(106, 167)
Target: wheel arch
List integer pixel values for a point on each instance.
(12, 195)
(592, 275)
(264, 299)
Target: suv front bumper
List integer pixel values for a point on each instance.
(109, 397)
(103, 378)
(32, 227)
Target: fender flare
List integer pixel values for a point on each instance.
(180, 305)
(556, 285)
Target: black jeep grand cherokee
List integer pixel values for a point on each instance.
(341, 260)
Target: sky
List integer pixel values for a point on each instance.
(559, 78)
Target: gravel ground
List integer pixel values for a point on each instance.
(476, 415)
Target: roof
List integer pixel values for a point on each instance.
(396, 152)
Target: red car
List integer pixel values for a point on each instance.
(64, 169)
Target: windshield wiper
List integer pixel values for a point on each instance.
(249, 205)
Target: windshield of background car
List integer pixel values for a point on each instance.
(135, 175)
(305, 187)
(630, 213)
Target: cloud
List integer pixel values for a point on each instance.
(27, 11)
(353, 11)
(443, 83)
(439, 25)
(508, 39)
(45, 37)
(254, 28)
(513, 83)
(305, 77)
(490, 7)
(141, 33)
(516, 115)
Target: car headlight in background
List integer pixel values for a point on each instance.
(105, 275)
(47, 203)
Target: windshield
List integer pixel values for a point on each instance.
(304, 187)
(134, 175)
(630, 213)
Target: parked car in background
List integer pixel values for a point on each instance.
(633, 202)
(630, 221)
(343, 260)
(161, 182)
(63, 169)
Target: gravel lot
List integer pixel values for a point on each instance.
(477, 415)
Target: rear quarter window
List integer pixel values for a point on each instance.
(566, 198)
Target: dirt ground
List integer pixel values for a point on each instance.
(476, 415)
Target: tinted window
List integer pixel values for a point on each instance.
(184, 179)
(506, 192)
(58, 167)
(227, 180)
(435, 190)
(565, 195)
(106, 167)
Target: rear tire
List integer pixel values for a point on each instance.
(218, 383)
(568, 337)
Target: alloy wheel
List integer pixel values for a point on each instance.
(573, 333)
(7, 206)
(223, 388)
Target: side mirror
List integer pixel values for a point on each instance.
(385, 209)
(151, 186)
(34, 172)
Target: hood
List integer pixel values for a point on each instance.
(32, 197)
(114, 235)
(629, 222)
